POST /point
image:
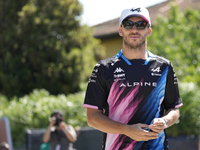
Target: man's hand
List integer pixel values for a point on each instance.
(69, 131)
(52, 121)
(158, 125)
(138, 133)
(63, 125)
(47, 134)
(101, 122)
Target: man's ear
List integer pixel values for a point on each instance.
(149, 32)
(120, 31)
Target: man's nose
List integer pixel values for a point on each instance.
(134, 27)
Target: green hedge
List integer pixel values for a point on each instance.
(33, 111)
(189, 120)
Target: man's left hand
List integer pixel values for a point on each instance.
(158, 125)
(62, 125)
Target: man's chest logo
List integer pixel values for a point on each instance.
(156, 70)
(118, 70)
(119, 74)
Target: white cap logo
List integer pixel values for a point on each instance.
(137, 9)
(137, 12)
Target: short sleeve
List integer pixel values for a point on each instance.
(96, 93)
(172, 98)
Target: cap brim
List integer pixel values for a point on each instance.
(136, 15)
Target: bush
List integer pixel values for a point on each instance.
(189, 120)
(33, 111)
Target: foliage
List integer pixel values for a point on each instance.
(176, 37)
(43, 45)
(189, 120)
(33, 111)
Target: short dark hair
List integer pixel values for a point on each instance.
(57, 112)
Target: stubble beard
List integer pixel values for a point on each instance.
(134, 45)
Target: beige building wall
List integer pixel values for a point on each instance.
(113, 46)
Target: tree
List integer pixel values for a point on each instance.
(46, 47)
(176, 37)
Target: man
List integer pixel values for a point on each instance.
(60, 135)
(133, 97)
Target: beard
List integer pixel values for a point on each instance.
(136, 44)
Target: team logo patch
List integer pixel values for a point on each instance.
(156, 70)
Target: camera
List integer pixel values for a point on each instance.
(58, 121)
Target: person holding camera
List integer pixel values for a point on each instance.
(60, 135)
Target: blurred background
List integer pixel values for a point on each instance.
(48, 50)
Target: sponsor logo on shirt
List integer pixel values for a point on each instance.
(155, 72)
(119, 74)
(93, 75)
(118, 70)
(153, 84)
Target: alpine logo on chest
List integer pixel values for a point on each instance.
(156, 71)
(145, 84)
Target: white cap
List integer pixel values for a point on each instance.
(135, 12)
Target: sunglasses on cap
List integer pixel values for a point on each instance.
(140, 25)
